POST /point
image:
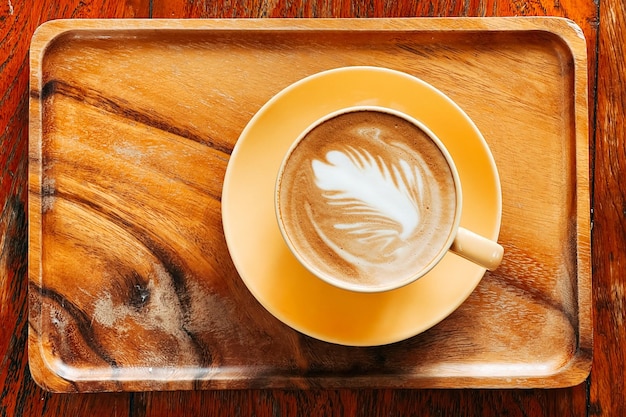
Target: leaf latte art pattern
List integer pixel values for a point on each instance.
(380, 202)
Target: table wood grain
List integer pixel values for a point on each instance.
(604, 25)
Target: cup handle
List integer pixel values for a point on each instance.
(478, 249)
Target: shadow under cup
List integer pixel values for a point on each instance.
(368, 199)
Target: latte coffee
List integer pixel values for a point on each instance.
(368, 199)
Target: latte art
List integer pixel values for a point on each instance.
(367, 197)
(379, 206)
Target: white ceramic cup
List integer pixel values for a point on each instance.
(345, 195)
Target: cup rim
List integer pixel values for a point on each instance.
(394, 284)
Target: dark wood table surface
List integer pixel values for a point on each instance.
(602, 394)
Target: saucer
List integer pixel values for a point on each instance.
(274, 276)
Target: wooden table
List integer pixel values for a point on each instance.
(602, 393)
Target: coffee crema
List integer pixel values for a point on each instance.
(367, 198)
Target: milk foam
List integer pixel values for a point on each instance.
(367, 198)
(367, 186)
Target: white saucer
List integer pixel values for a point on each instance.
(270, 271)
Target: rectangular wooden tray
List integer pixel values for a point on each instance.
(131, 286)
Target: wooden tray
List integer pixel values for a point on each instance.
(132, 123)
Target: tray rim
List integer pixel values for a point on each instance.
(564, 30)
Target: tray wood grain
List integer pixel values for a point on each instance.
(131, 286)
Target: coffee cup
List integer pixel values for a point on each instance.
(368, 199)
